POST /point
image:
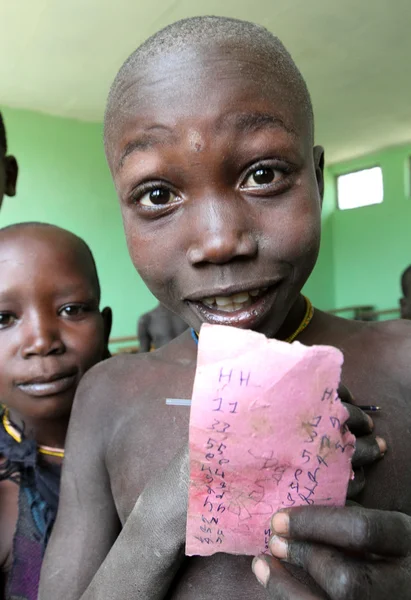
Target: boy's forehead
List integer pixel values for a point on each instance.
(38, 249)
(198, 82)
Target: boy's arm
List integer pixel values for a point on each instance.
(87, 523)
(150, 549)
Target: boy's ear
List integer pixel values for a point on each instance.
(12, 169)
(107, 315)
(318, 153)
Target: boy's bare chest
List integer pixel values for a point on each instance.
(151, 433)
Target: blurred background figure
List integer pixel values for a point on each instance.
(405, 301)
(158, 327)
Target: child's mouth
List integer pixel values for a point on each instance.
(243, 309)
(234, 302)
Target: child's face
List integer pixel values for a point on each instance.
(219, 188)
(51, 330)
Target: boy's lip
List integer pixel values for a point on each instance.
(49, 385)
(232, 289)
(247, 317)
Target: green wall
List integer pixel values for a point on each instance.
(372, 244)
(64, 179)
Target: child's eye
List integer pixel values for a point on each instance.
(261, 176)
(6, 319)
(158, 197)
(74, 310)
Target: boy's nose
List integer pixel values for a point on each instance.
(41, 338)
(221, 232)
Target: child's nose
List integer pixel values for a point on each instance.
(221, 232)
(41, 338)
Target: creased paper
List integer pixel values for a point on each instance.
(266, 432)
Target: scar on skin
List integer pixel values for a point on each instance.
(195, 140)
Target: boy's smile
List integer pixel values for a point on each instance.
(219, 186)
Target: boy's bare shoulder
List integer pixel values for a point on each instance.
(127, 379)
(386, 345)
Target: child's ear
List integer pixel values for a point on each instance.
(318, 153)
(107, 315)
(12, 169)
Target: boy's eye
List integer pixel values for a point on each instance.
(158, 197)
(260, 176)
(73, 310)
(6, 319)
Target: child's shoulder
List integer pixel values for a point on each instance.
(130, 379)
(387, 345)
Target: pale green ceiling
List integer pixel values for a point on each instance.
(60, 56)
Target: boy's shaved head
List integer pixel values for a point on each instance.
(57, 234)
(209, 138)
(209, 31)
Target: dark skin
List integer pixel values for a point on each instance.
(158, 327)
(8, 175)
(405, 301)
(51, 333)
(208, 227)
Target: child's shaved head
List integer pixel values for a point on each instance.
(59, 236)
(211, 31)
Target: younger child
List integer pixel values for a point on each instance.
(51, 333)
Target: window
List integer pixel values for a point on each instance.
(360, 188)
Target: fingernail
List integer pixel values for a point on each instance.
(281, 523)
(370, 422)
(382, 444)
(261, 570)
(278, 547)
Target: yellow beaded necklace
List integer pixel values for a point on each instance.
(309, 313)
(16, 435)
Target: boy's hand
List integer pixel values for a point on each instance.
(368, 448)
(351, 553)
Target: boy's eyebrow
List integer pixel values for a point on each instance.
(145, 141)
(245, 122)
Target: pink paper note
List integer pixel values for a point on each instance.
(266, 432)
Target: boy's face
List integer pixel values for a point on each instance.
(219, 186)
(8, 175)
(51, 329)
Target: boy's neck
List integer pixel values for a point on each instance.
(293, 319)
(46, 432)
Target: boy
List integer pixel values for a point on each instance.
(8, 166)
(51, 333)
(158, 327)
(405, 301)
(209, 138)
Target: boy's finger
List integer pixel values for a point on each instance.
(356, 485)
(359, 423)
(386, 533)
(368, 449)
(279, 583)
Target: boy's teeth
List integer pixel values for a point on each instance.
(234, 302)
(223, 300)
